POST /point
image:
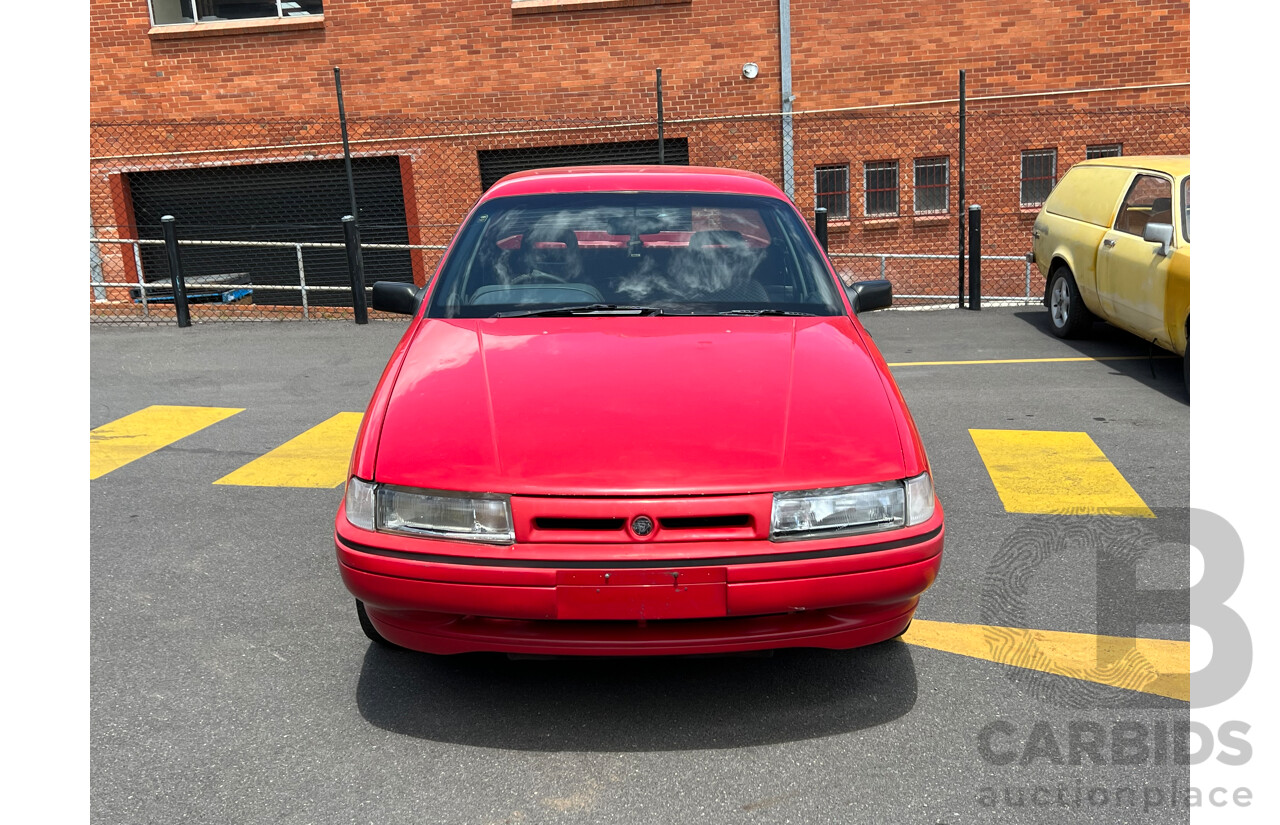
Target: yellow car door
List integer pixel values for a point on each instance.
(1132, 272)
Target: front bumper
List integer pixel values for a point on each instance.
(637, 598)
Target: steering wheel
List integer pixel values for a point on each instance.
(538, 277)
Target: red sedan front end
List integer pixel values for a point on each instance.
(636, 414)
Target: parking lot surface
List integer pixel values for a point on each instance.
(231, 681)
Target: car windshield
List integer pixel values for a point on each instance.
(668, 253)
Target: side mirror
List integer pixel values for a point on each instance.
(868, 295)
(400, 298)
(1161, 233)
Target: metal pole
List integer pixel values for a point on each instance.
(662, 155)
(960, 200)
(788, 139)
(355, 266)
(175, 271)
(346, 144)
(95, 264)
(302, 282)
(142, 281)
(975, 257)
(820, 226)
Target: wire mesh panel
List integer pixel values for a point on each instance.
(258, 204)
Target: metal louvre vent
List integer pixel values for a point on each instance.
(299, 201)
(496, 164)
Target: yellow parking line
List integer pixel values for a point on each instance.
(128, 439)
(1027, 360)
(317, 458)
(1055, 472)
(1158, 666)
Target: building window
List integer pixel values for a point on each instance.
(1039, 174)
(831, 190)
(880, 182)
(169, 12)
(1102, 150)
(931, 185)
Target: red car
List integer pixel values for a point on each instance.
(635, 413)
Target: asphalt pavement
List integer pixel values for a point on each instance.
(231, 681)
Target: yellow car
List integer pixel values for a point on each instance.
(1113, 241)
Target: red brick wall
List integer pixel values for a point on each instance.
(442, 59)
(435, 61)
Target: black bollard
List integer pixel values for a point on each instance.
(355, 266)
(175, 271)
(975, 257)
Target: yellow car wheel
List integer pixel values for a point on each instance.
(1068, 316)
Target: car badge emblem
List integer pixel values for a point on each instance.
(642, 525)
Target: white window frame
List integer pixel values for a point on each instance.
(1047, 151)
(945, 186)
(1104, 147)
(829, 168)
(897, 188)
(195, 15)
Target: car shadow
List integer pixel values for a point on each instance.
(635, 704)
(1162, 373)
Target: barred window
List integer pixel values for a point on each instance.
(831, 190)
(880, 182)
(1039, 174)
(1102, 150)
(167, 12)
(931, 185)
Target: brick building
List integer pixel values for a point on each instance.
(209, 108)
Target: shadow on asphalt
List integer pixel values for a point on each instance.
(1162, 373)
(642, 704)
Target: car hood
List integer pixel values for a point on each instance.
(638, 406)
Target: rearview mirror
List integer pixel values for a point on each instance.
(868, 295)
(1161, 233)
(400, 298)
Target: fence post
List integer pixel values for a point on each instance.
(975, 257)
(662, 154)
(142, 282)
(355, 266)
(960, 199)
(302, 282)
(175, 271)
(820, 225)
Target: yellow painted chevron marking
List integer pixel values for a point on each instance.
(1029, 360)
(1036, 471)
(1158, 666)
(317, 458)
(128, 439)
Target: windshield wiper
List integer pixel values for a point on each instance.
(589, 309)
(763, 312)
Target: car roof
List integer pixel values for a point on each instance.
(1176, 165)
(634, 179)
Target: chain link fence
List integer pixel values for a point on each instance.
(258, 204)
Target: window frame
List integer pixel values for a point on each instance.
(844, 194)
(1023, 179)
(196, 21)
(896, 190)
(945, 186)
(1106, 147)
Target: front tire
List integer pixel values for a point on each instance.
(370, 630)
(1068, 316)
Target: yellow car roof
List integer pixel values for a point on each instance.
(1176, 165)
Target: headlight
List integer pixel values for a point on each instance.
(842, 511)
(444, 514)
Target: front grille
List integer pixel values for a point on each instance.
(703, 522)
(597, 524)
